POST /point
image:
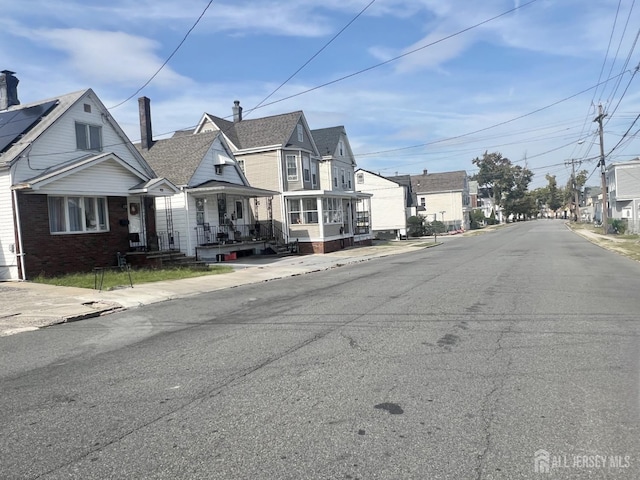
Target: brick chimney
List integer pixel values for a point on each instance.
(8, 90)
(144, 110)
(237, 111)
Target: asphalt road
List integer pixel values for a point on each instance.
(463, 361)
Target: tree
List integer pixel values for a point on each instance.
(494, 173)
(476, 218)
(554, 195)
(416, 225)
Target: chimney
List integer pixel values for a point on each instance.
(8, 90)
(237, 111)
(424, 172)
(144, 110)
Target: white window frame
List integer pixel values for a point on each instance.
(306, 169)
(241, 165)
(84, 138)
(343, 178)
(300, 133)
(341, 148)
(332, 210)
(291, 167)
(335, 177)
(314, 174)
(360, 178)
(91, 214)
(303, 211)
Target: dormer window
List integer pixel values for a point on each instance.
(300, 133)
(88, 137)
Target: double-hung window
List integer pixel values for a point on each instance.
(314, 174)
(335, 176)
(88, 137)
(78, 214)
(306, 169)
(292, 168)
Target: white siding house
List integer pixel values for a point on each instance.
(390, 203)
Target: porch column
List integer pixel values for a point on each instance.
(320, 216)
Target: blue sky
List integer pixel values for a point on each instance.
(414, 113)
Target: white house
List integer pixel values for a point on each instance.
(391, 202)
(623, 185)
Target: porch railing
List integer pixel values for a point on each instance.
(168, 241)
(217, 234)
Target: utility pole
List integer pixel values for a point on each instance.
(574, 185)
(605, 212)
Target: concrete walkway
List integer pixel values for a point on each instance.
(26, 306)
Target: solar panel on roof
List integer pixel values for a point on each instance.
(14, 123)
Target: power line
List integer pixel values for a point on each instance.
(312, 57)
(167, 60)
(364, 70)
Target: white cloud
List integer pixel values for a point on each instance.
(108, 57)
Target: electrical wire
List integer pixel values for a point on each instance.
(175, 50)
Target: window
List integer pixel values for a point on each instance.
(332, 210)
(218, 169)
(241, 165)
(88, 137)
(341, 148)
(335, 176)
(87, 108)
(78, 214)
(239, 209)
(303, 210)
(200, 211)
(292, 168)
(343, 182)
(349, 180)
(306, 172)
(423, 202)
(300, 133)
(360, 177)
(314, 174)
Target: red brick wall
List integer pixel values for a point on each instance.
(325, 247)
(54, 255)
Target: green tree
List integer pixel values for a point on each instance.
(555, 195)
(476, 218)
(416, 226)
(494, 173)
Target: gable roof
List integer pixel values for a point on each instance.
(327, 139)
(34, 130)
(438, 182)
(68, 168)
(258, 132)
(178, 157)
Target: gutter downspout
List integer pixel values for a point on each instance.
(16, 212)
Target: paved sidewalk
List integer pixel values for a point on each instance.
(26, 306)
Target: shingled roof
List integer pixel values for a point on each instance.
(327, 139)
(259, 132)
(438, 182)
(178, 157)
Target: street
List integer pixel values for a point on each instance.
(466, 361)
